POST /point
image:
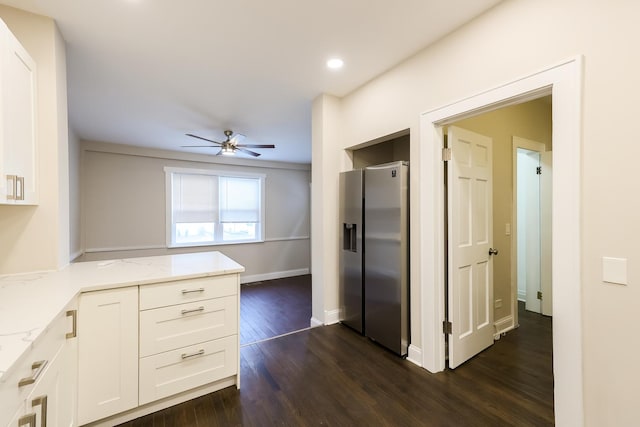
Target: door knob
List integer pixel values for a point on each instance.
(493, 251)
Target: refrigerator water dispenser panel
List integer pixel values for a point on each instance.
(349, 233)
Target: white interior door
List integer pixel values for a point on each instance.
(545, 233)
(470, 235)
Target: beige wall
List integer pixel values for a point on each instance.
(515, 39)
(531, 120)
(124, 210)
(36, 238)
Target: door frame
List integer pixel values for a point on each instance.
(564, 82)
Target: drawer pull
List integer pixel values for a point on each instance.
(27, 420)
(195, 310)
(37, 367)
(197, 353)
(190, 291)
(74, 315)
(42, 400)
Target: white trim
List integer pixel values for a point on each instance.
(284, 239)
(565, 82)
(503, 325)
(331, 317)
(522, 297)
(314, 323)
(148, 247)
(215, 172)
(415, 355)
(75, 255)
(123, 248)
(273, 275)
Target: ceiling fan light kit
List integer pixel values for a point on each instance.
(230, 145)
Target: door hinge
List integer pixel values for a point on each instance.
(446, 327)
(446, 154)
(539, 170)
(539, 295)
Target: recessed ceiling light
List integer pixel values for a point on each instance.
(335, 63)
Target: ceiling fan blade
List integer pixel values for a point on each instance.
(204, 139)
(219, 153)
(237, 138)
(205, 146)
(252, 153)
(256, 145)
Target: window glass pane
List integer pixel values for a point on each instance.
(239, 199)
(238, 231)
(194, 232)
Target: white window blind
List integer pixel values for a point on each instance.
(194, 198)
(239, 199)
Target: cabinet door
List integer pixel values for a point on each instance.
(18, 82)
(44, 400)
(107, 353)
(68, 399)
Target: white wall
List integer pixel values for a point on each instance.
(124, 209)
(75, 238)
(36, 238)
(515, 39)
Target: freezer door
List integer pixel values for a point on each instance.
(351, 253)
(386, 267)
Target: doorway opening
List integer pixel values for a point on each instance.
(485, 240)
(563, 81)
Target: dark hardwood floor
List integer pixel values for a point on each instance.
(274, 307)
(332, 376)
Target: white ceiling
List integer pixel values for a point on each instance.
(145, 72)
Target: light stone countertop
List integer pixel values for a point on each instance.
(30, 302)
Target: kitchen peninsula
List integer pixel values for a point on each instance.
(107, 341)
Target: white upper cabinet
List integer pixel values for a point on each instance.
(18, 136)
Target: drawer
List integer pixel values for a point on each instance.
(168, 328)
(173, 372)
(45, 348)
(182, 291)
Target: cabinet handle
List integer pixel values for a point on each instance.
(27, 420)
(19, 184)
(197, 353)
(12, 182)
(37, 368)
(74, 317)
(41, 400)
(195, 310)
(189, 291)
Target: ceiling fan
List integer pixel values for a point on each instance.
(231, 144)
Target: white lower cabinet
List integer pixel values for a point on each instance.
(44, 386)
(107, 353)
(145, 347)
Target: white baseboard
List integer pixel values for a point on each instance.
(314, 323)
(331, 317)
(502, 326)
(415, 355)
(274, 275)
(522, 295)
(74, 256)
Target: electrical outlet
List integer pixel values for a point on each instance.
(498, 303)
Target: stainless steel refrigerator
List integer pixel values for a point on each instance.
(374, 273)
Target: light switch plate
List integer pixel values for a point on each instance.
(614, 270)
(507, 229)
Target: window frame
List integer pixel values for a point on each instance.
(170, 228)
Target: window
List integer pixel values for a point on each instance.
(210, 208)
